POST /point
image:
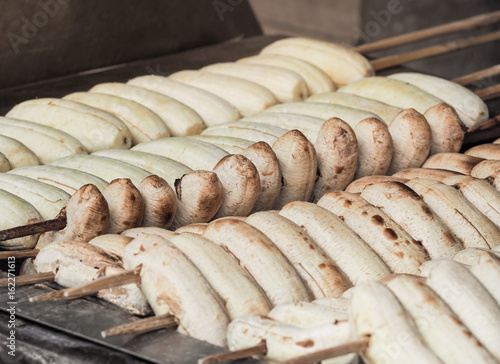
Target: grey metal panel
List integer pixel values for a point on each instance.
(49, 38)
(85, 319)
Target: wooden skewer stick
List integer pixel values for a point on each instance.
(491, 122)
(397, 59)
(28, 279)
(259, 349)
(464, 24)
(479, 75)
(142, 326)
(58, 223)
(116, 280)
(489, 93)
(339, 350)
(26, 253)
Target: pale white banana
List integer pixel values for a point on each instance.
(407, 209)
(342, 64)
(47, 199)
(87, 216)
(199, 197)
(126, 205)
(458, 162)
(76, 262)
(317, 80)
(264, 160)
(394, 245)
(448, 131)
(180, 119)
(317, 271)
(486, 151)
(196, 228)
(212, 108)
(284, 341)
(445, 124)
(394, 339)
(480, 194)
(286, 85)
(47, 143)
(94, 128)
(429, 173)
(172, 284)
(410, 131)
(298, 164)
(337, 154)
(103, 167)
(467, 223)
(112, 244)
(166, 168)
(335, 143)
(469, 299)
(342, 245)
(142, 122)
(258, 255)
(307, 314)
(375, 146)
(340, 304)
(231, 145)
(441, 329)
(255, 132)
(16, 212)
(237, 289)
(486, 169)
(359, 185)
(67, 179)
(193, 153)
(470, 107)
(384, 111)
(248, 97)
(160, 202)
(487, 270)
(17, 153)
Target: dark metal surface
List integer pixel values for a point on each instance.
(43, 39)
(81, 322)
(164, 65)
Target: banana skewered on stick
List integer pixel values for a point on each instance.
(143, 123)
(212, 108)
(410, 131)
(47, 143)
(334, 140)
(433, 332)
(375, 147)
(180, 119)
(446, 127)
(94, 128)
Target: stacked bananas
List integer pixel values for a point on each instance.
(274, 263)
(281, 151)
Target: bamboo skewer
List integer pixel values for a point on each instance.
(259, 349)
(333, 352)
(26, 253)
(142, 326)
(116, 280)
(464, 24)
(28, 279)
(489, 93)
(477, 76)
(397, 59)
(58, 223)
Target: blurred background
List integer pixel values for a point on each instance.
(356, 22)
